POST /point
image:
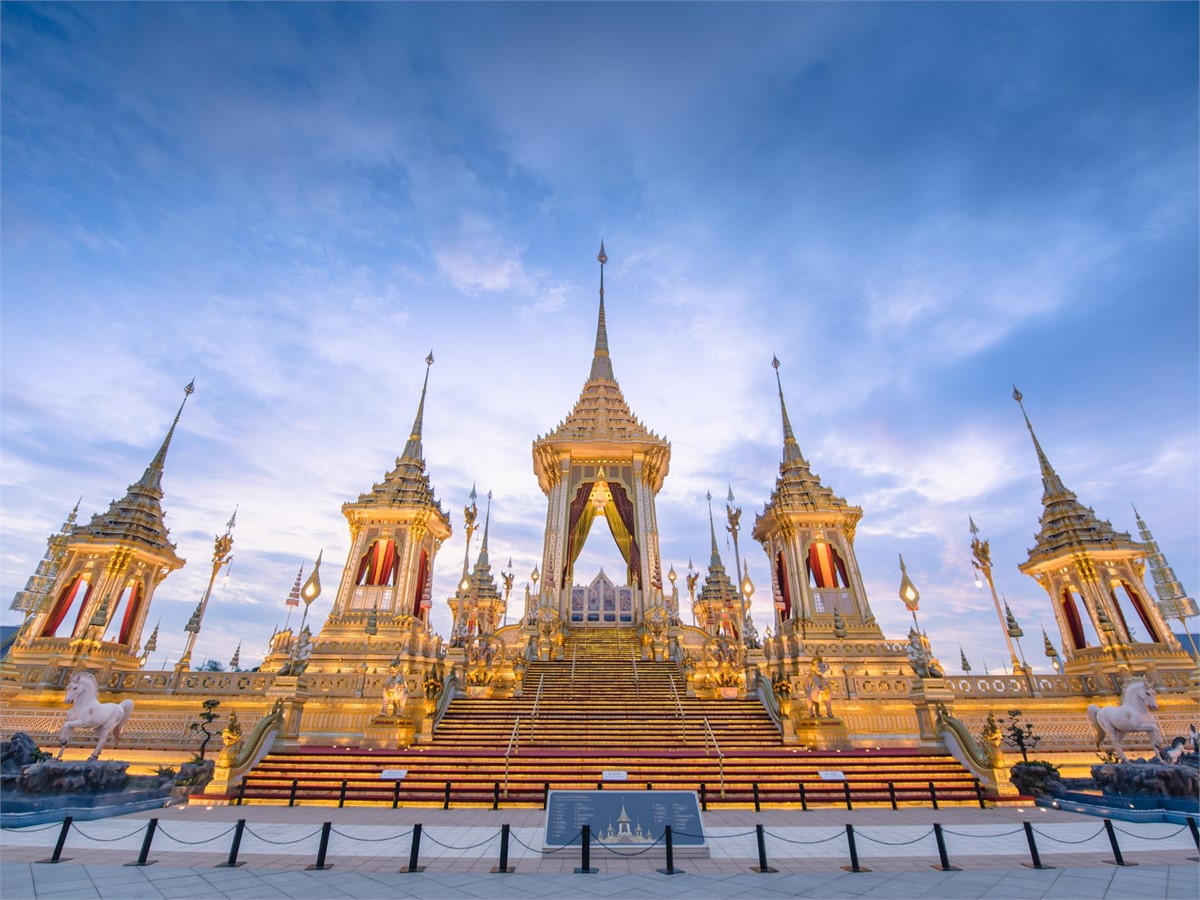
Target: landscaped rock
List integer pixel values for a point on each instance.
(1147, 778)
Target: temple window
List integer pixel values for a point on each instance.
(120, 622)
(1131, 610)
(74, 594)
(379, 564)
(1079, 627)
(825, 566)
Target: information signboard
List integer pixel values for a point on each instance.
(624, 818)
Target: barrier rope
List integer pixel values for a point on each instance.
(615, 851)
(713, 836)
(30, 829)
(257, 836)
(544, 852)
(1050, 837)
(172, 837)
(865, 836)
(471, 847)
(1144, 837)
(780, 837)
(967, 834)
(368, 840)
(84, 834)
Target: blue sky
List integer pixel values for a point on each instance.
(914, 206)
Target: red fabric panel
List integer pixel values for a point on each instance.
(573, 514)
(825, 566)
(64, 603)
(362, 567)
(135, 597)
(1120, 612)
(625, 510)
(784, 590)
(378, 566)
(82, 606)
(1071, 612)
(1141, 611)
(419, 593)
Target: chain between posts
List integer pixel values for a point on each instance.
(101, 840)
(281, 843)
(1049, 837)
(1143, 837)
(967, 835)
(893, 843)
(471, 847)
(367, 840)
(780, 837)
(170, 837)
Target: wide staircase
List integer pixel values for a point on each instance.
(602, 716)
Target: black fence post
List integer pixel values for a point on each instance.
(142, 860)
(1033, 850)
(322, 849)
(979, 794)
(56, 856)
(703, 797)
(854, 866)
(803, 798)
(495, 795)
(649, 786)
(933, 795)
(1194, 829)
(1118, 859)
(892, 793)
(342, 795)
(545, 793)
(585, 859)
(502, 868)
(846, 792)
(241, 794)
(446, 797)
(395, 793)
(757, 806)
(292, 795)
(232, 862)
(414, 852)
(762, 867)
(670, 869)
(599, 785)
(942, 855)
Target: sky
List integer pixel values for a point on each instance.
(913, 206)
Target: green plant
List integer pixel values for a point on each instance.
(1020, 735)
(204, 720)
(165, 772)
(1108, 756)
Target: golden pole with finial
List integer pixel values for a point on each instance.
(221, 557)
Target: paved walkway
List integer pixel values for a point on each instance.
(460, 847)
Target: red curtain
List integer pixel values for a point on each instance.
(131, 605)
(378, 566)
(1136, 599)
(826, 566)
(573, 513)
(1074, 625)
(625, 510)
(419, 593)
(64, 604)
(784, 590)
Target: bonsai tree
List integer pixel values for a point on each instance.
(204, 722)
(211, 665)
(1020, 735)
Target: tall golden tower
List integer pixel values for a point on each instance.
(1093, 575)
(718, 606)
(808, 534)
(386, 586)
(477, 606)
(106, 576)
(601, 460)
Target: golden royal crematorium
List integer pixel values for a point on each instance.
(600, 676)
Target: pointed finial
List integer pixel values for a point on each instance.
(232, 521)
(974, 529)
(312, 588)
(412, 449)
(1051, 483)
(791, 448)
(715, 559)
(729, 499)
(908, 591)
(152, 477)
(152, 642)
(601, 364)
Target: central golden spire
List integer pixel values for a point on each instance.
(601, 364)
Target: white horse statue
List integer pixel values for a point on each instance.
(88, 712)
(1135, 713)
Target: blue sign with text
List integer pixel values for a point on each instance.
(624, 818)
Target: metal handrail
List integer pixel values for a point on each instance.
(637, 685)
(574, 653)
(708, 734)
(514, 744)
(537, 702)
(678, 708)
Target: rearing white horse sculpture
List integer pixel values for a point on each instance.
(88, 712)
(1133, 714)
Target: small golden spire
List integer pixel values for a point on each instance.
(601, 364)
(791, 447)
(412, 449)
(152, 477)
(1051, 483)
